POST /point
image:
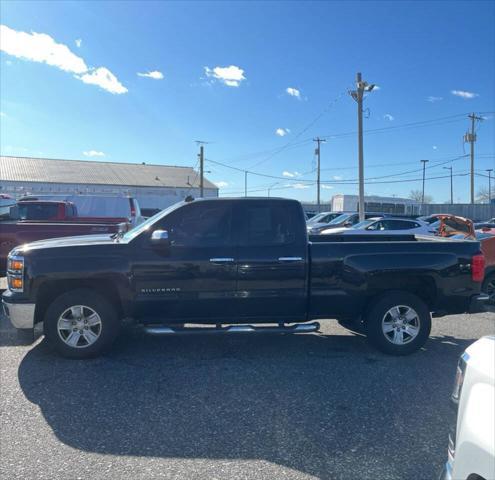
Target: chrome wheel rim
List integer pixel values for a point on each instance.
(400, 325)
(79, 326)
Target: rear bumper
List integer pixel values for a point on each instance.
(478, 303)
(21, 315)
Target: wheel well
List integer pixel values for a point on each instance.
(49, 291)
(422, 286)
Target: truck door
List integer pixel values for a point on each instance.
(195, 278)
(272, 257)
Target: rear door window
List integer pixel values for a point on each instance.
(266, 225)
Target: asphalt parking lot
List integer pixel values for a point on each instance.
(266, 407)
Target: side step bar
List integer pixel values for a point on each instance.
(298, 328)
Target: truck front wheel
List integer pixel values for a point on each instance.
(81, 324)
(398, 323)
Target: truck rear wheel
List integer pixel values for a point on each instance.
(489, 288)
(398, 323)
(81, 324)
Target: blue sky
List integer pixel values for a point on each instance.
(75, 92)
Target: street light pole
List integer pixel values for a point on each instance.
(451, 186)
(424, 170)
(489, 170)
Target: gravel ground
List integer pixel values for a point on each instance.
(267, 407)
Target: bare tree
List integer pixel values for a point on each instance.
(482, 195)
(418, 196)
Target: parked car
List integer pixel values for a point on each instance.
(383, 226)
(471, 447)
(342, 220)
(483, 225)
(320, 220)
(231, 263)
(56, 211)
(42, 220)
(97, 206)
(6, 203)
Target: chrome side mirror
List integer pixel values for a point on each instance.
(159, 238)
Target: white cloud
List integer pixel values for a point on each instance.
(299, 186)
(464, 94)
(388, 117)
(434, 147)
(282, 132)
(93, 153)
(40, 47)
(337, 177)
(293, 92)
(105, 79)
(287, 174)
(3, 114)
(232, 76)
(326, 187)
(221, 184)
(78, 43)
(155, 75)
(433, 99)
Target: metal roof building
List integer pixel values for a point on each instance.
(155, 186)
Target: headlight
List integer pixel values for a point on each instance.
(15, 273)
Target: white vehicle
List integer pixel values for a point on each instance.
(6, 203)
(99, 205)
(471, 450)
(386, 225)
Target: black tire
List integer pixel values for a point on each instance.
(107, 329)
(378, 312)
(489, 288)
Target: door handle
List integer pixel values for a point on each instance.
(222, 260)
(289, 259)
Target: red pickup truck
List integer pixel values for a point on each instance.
(38, 220)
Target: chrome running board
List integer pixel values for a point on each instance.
(297, 328)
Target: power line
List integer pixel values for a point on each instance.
(342, 182)
(291, 144)
(304, 130)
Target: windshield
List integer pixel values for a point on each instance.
(341, 218)
(316, 218)
(363, 224)
(137, 230)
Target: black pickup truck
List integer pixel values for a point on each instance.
(229, 265)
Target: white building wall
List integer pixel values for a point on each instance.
(148, 197)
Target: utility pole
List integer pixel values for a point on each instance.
(201, 158)
(271, 186)
(451, 186)
(470, 137)
(424, 171)
(245, 182)
(489, 170)
(201, 170)
(358, 96)
(318, 141)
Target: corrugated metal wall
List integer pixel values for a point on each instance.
(477, 212)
